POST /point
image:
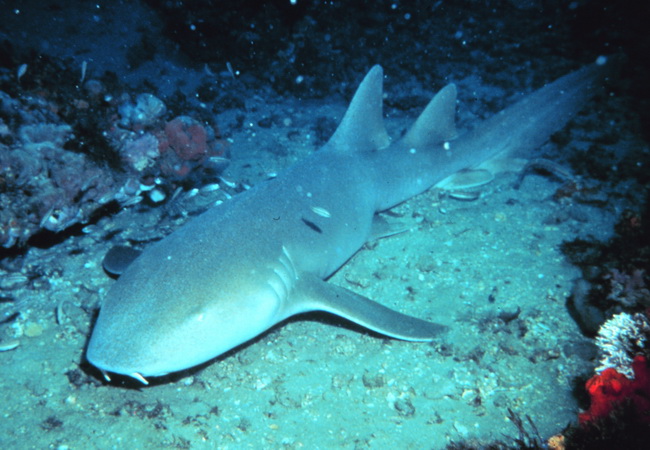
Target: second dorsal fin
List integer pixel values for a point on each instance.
(437, 123)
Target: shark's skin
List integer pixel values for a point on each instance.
(246, 265)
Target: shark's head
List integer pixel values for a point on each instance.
(162, 316)
(129, 341)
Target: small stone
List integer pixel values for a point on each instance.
(404, 407)
(375, 381)
(33, 329)
(157, 196)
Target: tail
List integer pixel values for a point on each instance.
(429, 153)
(529, 123)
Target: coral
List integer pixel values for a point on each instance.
(623, 377)
(45, 134)
(614, 272)
(628, 290)
(46, 186)
(43, 185)
(611, 390)
(187, 138)
(619, 414)
(160, 156)
(188, 144)
(53, 189)
(556, 442)
(146, 111)
(140, 153)
(169, 155)
(67, 151)
(620, 339)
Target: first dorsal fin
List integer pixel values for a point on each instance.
(437, 122)
(362, 127)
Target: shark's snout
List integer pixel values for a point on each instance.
(101, 356)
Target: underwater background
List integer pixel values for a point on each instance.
(121, 120)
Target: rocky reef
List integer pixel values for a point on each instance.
(73, 149)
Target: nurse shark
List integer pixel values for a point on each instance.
(243, 266)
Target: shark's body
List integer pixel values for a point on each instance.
(242, 267)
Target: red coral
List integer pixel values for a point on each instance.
(187, 144)
(609, 389)
(187, 138)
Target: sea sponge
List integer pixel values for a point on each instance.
(610, 390)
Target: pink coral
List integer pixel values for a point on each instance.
(187, 137)
(187, 144)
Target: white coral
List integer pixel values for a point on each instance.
(146, 111)
(620, 339)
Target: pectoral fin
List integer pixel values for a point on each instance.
(314, 294)
(381, 228)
